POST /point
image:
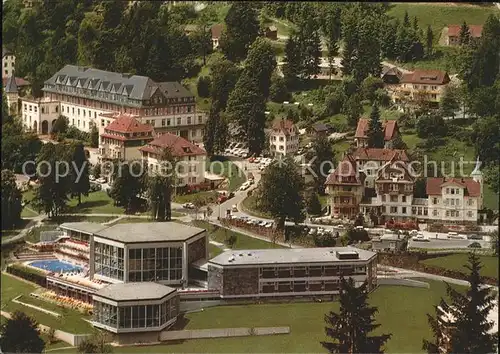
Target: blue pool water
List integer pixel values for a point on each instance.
(56, 266)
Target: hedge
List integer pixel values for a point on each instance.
(29, 274)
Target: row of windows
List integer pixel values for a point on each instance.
(168, 122)
(109, 260)
(139, 316)
(311, 271)
(154, 264)
(298, 286)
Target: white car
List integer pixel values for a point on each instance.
(413, 232)
(188, 206)
(419, 237)
(312, 231)
(269, 224)
(101, 180)
(244, 186)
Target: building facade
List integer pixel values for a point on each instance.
(8, 63)
(289, 272)
(39, 115)
(283, 138)
(420, 87)
(135, 312)
(370, 160)
(391, 131)
(190, 166)
(146, 252)
(84, 94)
(123, 138)
(454, 200)
(345, 188)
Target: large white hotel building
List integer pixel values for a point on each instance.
(82, 94)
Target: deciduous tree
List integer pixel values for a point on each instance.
(11, 200)
(283, 197)
(80, 183)
(20, 334)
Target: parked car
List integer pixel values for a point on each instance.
(474, 237)
(269, 224)
(234, 208)
(452, 235)
(419, 237)
(413, 232)
(101, 180)
(188, 206)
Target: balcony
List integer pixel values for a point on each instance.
(337, 193)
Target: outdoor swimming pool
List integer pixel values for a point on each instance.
(56, 266)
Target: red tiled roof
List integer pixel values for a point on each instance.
(216, 30)
(419, 76)
(474, 30)
(179, 146)
(380, 154)
(346, 168)
(283, 125)
(19, 82)
(434, 185)
(126, 123)
(390, 127)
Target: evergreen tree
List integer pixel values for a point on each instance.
(283, 186)
(20, 334)
(465, 37)
(375, 131)
(261, 63)
(449, 103)
(353, 110)
(203, 86)
(11, 200)
(160, 187)
(324, 161)
(246, 107)
(349, 329)
(429, 42)
(225, 75)
(278, 92)
(79, 172)
(485, 138)
(398, 143)
(293, 61)
(331, 28)
(51, 195)
(242, 28)
(464, 322)
(94, 136)
(216, 132)
(313, 204)
(309, 40)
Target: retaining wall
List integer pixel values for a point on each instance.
(222, 332)
(402, 282)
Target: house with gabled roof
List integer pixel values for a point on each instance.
(390, 127)
(190, 158)
(283, 138)
(452, 33)
(123, 137)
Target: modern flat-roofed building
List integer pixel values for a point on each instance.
(289, 272)
(135, 312)
(145, 252)
(85, 93)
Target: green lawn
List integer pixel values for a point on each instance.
(439, 15)
(229, 170)
(411, 140)
(213, 251)
(490, 198)
(243, 242)
(189, 198)
(457, 262)
(451, 151)
(440, 61)
(402, 312)
(96, 202)
(249, 206)
(70, 321)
